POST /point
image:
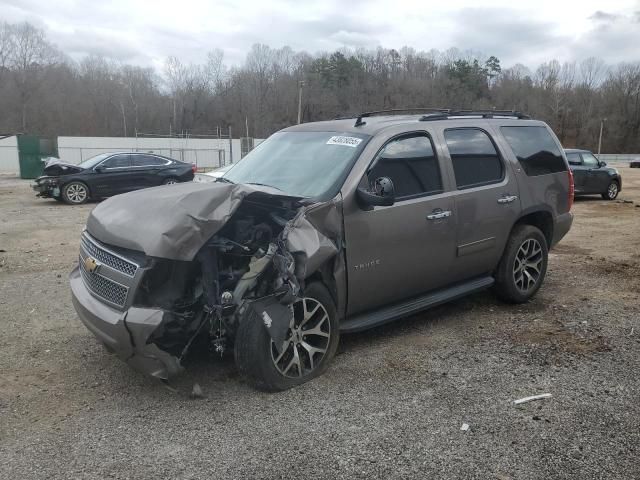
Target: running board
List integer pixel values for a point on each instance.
(375, 318)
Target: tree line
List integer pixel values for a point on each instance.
(43, 91)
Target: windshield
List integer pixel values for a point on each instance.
(306, 164)
(93, 161)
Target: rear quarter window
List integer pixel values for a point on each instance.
(535, 149)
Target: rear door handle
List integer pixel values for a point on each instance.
(439, 213)
(507, 199)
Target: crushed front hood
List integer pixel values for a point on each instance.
(57, 168)
(173, 221)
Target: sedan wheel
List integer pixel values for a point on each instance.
(75, 193)
(170, 181)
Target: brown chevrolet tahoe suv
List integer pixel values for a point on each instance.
(325, 228)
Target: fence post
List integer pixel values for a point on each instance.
(230, 146)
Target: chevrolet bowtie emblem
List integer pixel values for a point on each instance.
(91, 264)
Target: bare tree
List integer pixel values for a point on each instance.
(29, 58)
(100, 97)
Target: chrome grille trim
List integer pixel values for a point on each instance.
(108, 290)
(107, 257)
(115, 279)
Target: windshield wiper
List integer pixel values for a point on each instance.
(264, 185)
(226, 180)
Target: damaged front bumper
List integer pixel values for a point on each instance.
(125, 334)
(46, 190)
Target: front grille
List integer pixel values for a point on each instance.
(104, 288)
(114, 278)
(118, 263)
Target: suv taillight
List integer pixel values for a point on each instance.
(193, 167)
(572, 189)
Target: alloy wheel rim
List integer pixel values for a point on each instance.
(307, 340)
(612, 190)
(170, 182)
(527, 267)
(76, 193)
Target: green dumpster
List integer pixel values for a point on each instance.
(29, 156)
(31, 151)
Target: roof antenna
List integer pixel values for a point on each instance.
(359, 121)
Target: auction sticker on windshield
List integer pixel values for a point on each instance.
(344, 141)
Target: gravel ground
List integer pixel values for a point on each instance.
(391, 405)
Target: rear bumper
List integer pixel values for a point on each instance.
(126, 334)
(561, 227)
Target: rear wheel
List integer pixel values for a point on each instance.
(75, 193)
(523, 265)
(312, 340)
(170, 181)
(612, 191)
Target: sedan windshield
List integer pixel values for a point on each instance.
(93, 161)
(306, 164)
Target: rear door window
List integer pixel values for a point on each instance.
(474, 157)
(535, 149)
(411, 164)
(148, 161)
(117, 161)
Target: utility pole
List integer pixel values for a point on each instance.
(300, 85)
(600, 138)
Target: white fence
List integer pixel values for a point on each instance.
(206, 153)
(618, 157)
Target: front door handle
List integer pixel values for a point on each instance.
(439, 213)
(507, 199)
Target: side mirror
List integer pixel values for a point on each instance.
(383, 194)
(99, 169)
(602, 164)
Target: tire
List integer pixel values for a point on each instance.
(517, 281)
(170, 181)
(75, 193)
(264, 368)
(612, 190)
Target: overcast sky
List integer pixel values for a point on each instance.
(146, 32)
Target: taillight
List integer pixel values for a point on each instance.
(572, 189)
(193, 167)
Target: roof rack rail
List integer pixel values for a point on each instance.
(475, 113)
(362, 115)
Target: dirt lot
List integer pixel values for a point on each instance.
(391, 405)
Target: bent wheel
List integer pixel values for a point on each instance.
(311, 342)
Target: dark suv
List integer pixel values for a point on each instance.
(325, 228)
(593, 176)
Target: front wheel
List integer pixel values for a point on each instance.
(523, 265)
(75, 193)
(311, 343)
(612, 191)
